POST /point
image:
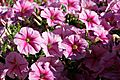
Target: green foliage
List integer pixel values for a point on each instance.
(12, 29)
(64, 8)
(4, 47)
(10, 2)
(33, 58)
(116, 31)
(72, 20)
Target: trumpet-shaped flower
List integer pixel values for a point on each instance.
(23, 8)
(71, 5)
(40, 71)
(63, 31)
(53, 15)
(74, 47)
(101, 34)
(28, 41)
(87, 4)
(56, 66)
(17, 66)
(116, 7)
(90, 18)
(50, 44)
(92, 60)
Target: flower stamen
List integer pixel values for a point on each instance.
(75, 47)
(28, 40)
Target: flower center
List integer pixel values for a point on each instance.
(23, 10)
(42, 76)
(52, 17)
(69, 4)
(49, 46)
(28, 40)
(89, 19)
(75, 47)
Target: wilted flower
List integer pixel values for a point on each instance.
(17, 66)
(28, 41)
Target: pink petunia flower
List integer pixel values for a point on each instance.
(63, 31)
(50, 44)
(40, 71)
(116, 7)
(67, 30)
(31, 0)
(28, 41)
(101, 34)
(54, 16)
(55, 4)
(90, 18)
(3, 9)
(23, 8)
(87, 4)
(50, 1)
(6, 15)
(112, 72)
(17, 66)
(71, 5)
(56, 66)
(94, 60)
(74, 47)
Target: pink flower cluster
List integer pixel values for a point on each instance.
(59, 40)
